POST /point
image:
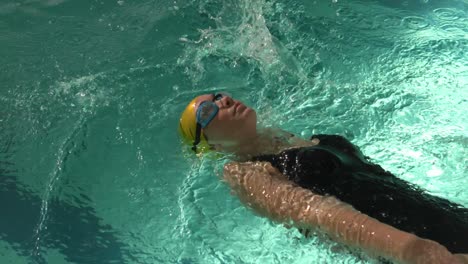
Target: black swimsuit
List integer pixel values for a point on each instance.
(337, 167)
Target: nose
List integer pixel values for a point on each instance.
(227, 101)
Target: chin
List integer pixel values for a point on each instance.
(249, 111)
(252, 118)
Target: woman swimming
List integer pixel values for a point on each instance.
(326, 184)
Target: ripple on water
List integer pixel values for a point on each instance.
(389, 21)
(454, 29)
(415, 22)
(448, 14)
(357, 19)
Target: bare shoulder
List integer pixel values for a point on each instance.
(249, 167)
(236, 173)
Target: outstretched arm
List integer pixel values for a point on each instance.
(269, 193)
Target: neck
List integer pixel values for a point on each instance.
(265, 141)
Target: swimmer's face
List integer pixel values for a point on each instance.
(233, 123)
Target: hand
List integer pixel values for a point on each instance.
(423, 251)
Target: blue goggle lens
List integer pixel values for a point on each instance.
(206, 112)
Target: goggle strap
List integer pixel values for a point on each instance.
(197, 137)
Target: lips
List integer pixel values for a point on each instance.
(238, 107)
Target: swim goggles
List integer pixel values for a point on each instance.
(206, 111)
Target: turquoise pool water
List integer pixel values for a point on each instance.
(91, 168)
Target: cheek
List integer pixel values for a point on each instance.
(229, 130)
(218, 130)
(223, 115)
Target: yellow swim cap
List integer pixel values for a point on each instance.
(188, 127)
